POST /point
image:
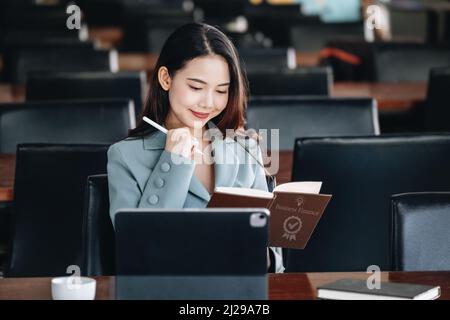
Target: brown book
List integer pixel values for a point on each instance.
(295, 209)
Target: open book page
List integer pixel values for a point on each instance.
(312, 187)
(300, 187)
(244, 192)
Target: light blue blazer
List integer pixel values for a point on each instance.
(141, 174)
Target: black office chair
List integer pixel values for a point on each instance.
(95, 12)
(385, 61)
(362, 173)
(355, 65)
(60, 59)
(18, 36)
(98, 231)
(47, 216)
(312, 117)
(395, 62)
(5, 232)
(421, 241)
(314, 34)
(268, 59)
(304, 81)
(10, 50)
(147, 26)
(23, 22)
(87, 85)
(87, 121)
(29, 13)
(437, 111)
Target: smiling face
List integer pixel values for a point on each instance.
(197, 93)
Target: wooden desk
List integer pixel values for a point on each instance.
(106, 37)
(137, 62)
(147, 61)
(11, 94)
(7, 171)
(397, 97)
(289, 286)
(391, 97)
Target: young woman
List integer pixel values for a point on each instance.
(199, 93)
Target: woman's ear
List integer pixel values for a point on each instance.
(164, 78)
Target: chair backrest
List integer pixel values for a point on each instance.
(10, 50)
(362, 173)
(304, 81)
(63, 59)
(396, 62)
(28, 13)
(146, 26)
(421, 238)
(98, 231)
(25, 22)
(87, 85)
(437, 111)
(94, 121)
(384, 61)
(297, 117)
(20, 36)
(268, 59)
(313, 36)
(47, 215)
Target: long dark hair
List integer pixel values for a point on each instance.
(184, 44)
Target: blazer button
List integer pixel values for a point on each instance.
(159, 183)
(153, 199)
(165, 167)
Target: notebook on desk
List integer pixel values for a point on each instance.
(351, 289)
(191, 254)
(295, 209)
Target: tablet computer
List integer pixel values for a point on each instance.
(191, 253)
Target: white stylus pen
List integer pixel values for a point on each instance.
(163, 130)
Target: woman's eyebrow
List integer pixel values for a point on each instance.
(203, 82)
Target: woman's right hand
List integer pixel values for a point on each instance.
(181, 142)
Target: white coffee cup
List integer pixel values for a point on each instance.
(73, 288)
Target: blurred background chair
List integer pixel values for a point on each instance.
(23, 60)
(437, 111)
(312, 117)
(421, 241)
(383, 61)
(147, 24)
(87, 85)
(25, 21)
(47, 216)
(407, 62)
(17, 61)
(300, 81)
(95, 121)
(268, 59)
(98, 231)
(362, 173)
(313, 35)
(5, 231)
